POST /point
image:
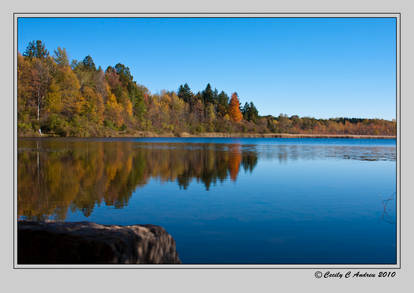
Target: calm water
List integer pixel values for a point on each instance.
(224, 201)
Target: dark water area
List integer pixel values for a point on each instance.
(224, 200)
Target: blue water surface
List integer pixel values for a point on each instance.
(281, 201)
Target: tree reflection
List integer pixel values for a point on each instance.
(55, 176)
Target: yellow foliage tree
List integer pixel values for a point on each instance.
(114, 110)
(54, 99)
(94, 105)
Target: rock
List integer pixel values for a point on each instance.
(91, 243)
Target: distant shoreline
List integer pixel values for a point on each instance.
(288, 135)
(228, 135)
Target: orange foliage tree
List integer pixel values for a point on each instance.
(234, 108)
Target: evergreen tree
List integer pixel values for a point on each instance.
(215, 96)
(88, 63)
(245, 111)
(223, 103)
(208, 95)
(36, 49)
(250, 112)
(184, 93)
(254, 113)
(124, 74)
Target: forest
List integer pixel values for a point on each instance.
(56, 97)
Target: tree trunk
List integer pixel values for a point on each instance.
(38, 105)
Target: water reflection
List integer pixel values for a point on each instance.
(55, 176)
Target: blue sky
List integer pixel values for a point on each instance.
(318, 67)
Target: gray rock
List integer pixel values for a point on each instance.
(91, 243)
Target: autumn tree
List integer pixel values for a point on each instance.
(113, 111)
(40, 80)
(85, 71)
(94, 106)
(24, 89)
(234, 108)
(136, 94)
(61, 57)
(68, 88)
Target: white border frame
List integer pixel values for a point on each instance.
(215, 15)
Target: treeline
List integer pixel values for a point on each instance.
(63, 98)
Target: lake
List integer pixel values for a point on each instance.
(224, 200)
